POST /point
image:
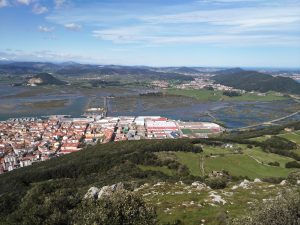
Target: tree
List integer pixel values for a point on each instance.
(292, 164)
(293, 177)
(285, 209)
(216, 182)
(47, 203)
(120, 208)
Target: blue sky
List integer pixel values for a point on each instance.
(247, 33)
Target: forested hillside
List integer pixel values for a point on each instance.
(256, 81)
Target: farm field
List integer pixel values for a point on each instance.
(239, 161)
(208, 95)
(236, 165)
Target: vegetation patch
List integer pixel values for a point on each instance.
(236, 164)
(213, 95)
(46, 104)
(163, 169)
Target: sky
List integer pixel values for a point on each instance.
(245, 33)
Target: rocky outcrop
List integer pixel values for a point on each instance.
(217, 198)
(199, 186)
(92, 193)
(105, 191)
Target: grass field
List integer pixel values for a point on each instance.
(208, 150)
(292, 136)
(162, 169)
(190, 131)
(266, 158)
(201, 95)
(208, 95)
(46, 104)
(251, 163)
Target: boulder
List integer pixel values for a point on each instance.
(92, 193)
(198, 185)
(105, 191)
(108, 190)
(283, 182)
(244, 184)
(235, 187)
(217, 198)
(256, 180)
(117, 187)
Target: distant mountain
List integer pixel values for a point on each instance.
(230, 71)
(69, 63)
(25, 68)
(77, 69)
(186, 70)
(256, 81)
(137, 72)
(44, 79)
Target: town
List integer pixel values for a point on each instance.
(24, 141)
(197, 84)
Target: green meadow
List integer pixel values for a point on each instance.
(209, 95)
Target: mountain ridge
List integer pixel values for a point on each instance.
(256, 81)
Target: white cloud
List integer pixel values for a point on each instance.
(60, 3)
(48, 55)
(233, 16)
(24, 2)
(39, 9)
(3, 3)
(258, 23)
(146, 35)
(45, 29)
(72, 26)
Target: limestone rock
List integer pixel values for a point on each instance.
(283, 182)
(256, 180)
(92, 193)
(244, 184)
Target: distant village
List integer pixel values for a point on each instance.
(24, 141)
(197, 84)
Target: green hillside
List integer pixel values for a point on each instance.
(46, 79)
(160, 171)
(256, 81)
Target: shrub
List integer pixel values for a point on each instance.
(121, 207)
(293, 164)
(280, 143)
(274, 163)
(197, 149)
(232, 93)
(273, 180)
(293, 177)
(284, 210)
(183, 170)
(221, 218)
(216, 182)
(46, 203)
